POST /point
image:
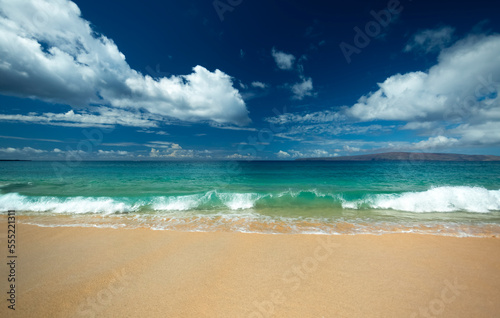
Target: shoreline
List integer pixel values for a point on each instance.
(236, 224)
(98, 272)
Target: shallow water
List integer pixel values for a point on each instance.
(451, 198)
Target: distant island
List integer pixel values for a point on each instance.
(407, 156)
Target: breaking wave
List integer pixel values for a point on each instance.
(439, 199)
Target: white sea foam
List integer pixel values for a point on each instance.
(439, 199)
(179, 203)
(239, 201)
(15, 201)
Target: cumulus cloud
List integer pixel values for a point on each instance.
(283, 60)
(453, 104)
(430, 40)
(458, 96)
(171, 150)
(282, 154)
(286, 61)
(463, 78)
(435, 142)
(302, 89)
(49, 52)
(487, 133)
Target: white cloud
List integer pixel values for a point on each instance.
(239, 156)
(320, 125)
(311, 153)
(163, 144)
(430, 40)
(172, 153)
(22, 151)
(351, 149)
(487, 133)
(159, 132)
(458, 98)
(28, 152)
(216, 125)
(51, 53)
(326, 116)
(458, 81)
(170, 150)
(419, 125)
(121, 144)
(95, 117)
(283, 60)
(112, 153)
(435, 142)
(320, 153)
(36, 139)
(454, 104)
(259, 85)
(282, 154)
(302, 89)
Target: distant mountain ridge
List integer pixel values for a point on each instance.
(408, 156)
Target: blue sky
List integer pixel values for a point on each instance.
(239, 79)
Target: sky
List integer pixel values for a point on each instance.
(247, 80)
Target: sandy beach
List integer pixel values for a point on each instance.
(92, 272)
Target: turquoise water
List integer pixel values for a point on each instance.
(455, 198)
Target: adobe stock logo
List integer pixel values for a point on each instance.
(223, 6)
(372, 29)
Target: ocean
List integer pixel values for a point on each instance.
(278, 197)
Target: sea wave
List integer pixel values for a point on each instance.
(15, 201)
(438, 199)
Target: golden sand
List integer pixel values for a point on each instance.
(91, 272)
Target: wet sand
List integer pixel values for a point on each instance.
(95, 272)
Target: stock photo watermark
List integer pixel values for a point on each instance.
(12, 259)
(449, 294)
(223, 6)
(482, 96)
(74, 157)
(373, 28)
(294, 277)
(485, 92)
(264, 137)
(95, 304)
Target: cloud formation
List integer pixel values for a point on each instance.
(259, 85)
(49, 52)
(459, 94)
(302, 89)
(454, 104)
(430, 40)
(311, 153)
(283, 60)
(94, 117)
